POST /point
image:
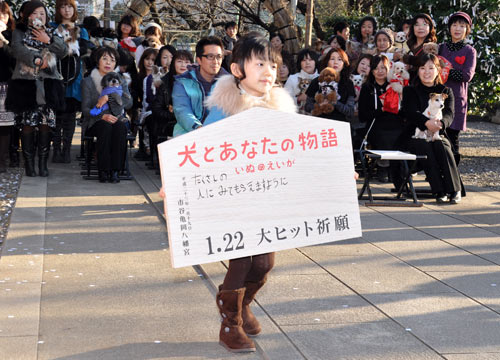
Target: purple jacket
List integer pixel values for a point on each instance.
(464, 65)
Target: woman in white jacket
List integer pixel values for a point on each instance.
(298, 83)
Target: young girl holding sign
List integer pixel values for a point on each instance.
(254, 68)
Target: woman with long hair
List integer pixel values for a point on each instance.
(344, 107)
(421, 31)
(163, 118)
(440, 167)
(129, 33)
(36, 91)
(165, 56)
(387, 127)
(146, 97)
(71, 70)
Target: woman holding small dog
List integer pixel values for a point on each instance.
(440, 167)
(7, 64)
(388, 127)
(71, 70)
(110, 131)
(343, 109)
(36, 91)
(162, 107)
(297, 84)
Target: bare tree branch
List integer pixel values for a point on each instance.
(248, 13)
(318, 29)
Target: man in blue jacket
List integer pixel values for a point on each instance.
(192, 88)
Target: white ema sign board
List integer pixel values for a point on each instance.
(257, 182)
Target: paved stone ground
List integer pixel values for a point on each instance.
(85, 274)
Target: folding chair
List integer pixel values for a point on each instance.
(407, 184)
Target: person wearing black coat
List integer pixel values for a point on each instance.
(344, 108)
(7, 64)
(385, 134)
(162, 107)
(440, 167)
(36, 90)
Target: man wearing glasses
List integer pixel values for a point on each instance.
(192, 88)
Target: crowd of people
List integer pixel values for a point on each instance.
(124, 83)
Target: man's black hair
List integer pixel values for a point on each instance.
(229, 24)
(339, 27)
(208, 40)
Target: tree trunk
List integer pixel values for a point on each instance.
(284, 24)
(155, 15)
(139, 8)
(318, 29)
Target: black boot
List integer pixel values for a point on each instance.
(56, 139)
(68, 127)
(56, 154)
(103, 176)
(4, 151)
(14, 147)
(66, 155)
(28, 144)
(43, 152)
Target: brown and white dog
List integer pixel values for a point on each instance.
(70, 37)
(433, 111)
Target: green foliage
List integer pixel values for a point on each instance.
(352, 18)
(484, 90)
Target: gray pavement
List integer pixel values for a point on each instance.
(85, 274)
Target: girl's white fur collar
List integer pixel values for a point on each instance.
(230, 99)
(96, 78)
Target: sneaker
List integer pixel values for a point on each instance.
(456, 197)
(441, 198)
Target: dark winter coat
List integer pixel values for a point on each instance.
(26, 90)
(463, 59)
(416, 100)
(388, 127)
(27, 57)
(91, 91)
(7, 61)
(163, 112)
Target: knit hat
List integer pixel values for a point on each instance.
(152, 24)
(31, 6)
(462, 15)
(387, 32)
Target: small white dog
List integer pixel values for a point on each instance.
(357, 81)
(433, 111)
